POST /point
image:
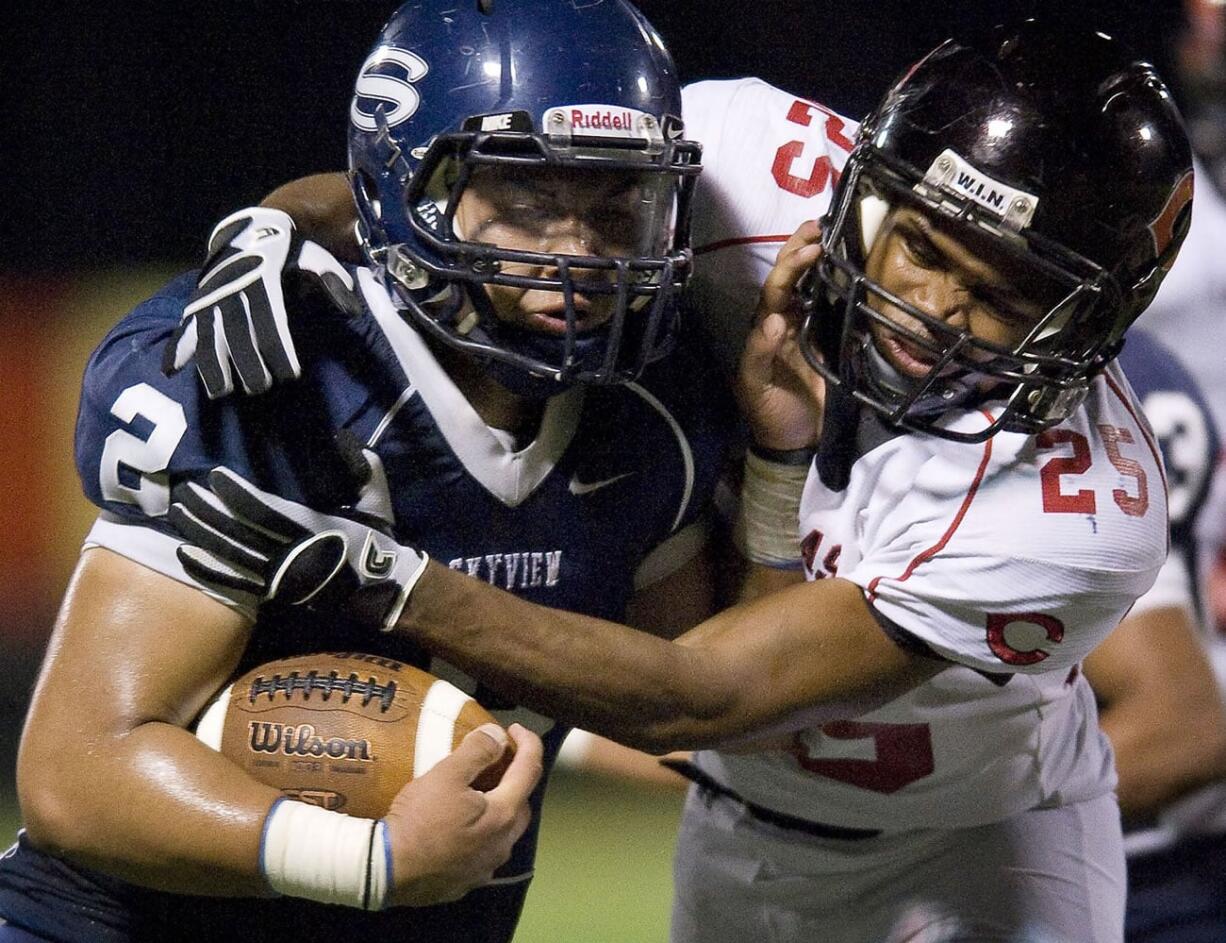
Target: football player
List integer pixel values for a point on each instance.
(951, 498)
(1160, 721)
(524, 184)
(1158, 696)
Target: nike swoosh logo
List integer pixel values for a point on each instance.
(578, 487)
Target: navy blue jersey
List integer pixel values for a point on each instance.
(615, 476)
(1185, 431)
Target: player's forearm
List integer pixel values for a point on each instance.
(1162, 709)
(1158, 764)
(808, 654)
(107, 773)
(153, 806)
(321, 207)
(608, 678)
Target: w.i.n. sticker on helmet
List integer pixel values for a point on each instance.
(952, 173)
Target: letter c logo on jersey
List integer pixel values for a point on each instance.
(1021, 645)
(386, 80)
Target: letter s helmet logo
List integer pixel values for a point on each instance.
(386, 80)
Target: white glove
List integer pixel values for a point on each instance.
(241, 538)
(238, 313)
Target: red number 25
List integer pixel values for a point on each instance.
(1084, 501)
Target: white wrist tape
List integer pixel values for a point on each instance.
(768, 526)
(325, 856)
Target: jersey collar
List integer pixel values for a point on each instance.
(510, 476)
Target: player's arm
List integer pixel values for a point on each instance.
(321, 206)
(813, 647)
(106, 761)
(110, 777)
(1161, 708)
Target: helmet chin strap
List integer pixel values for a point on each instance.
(955, 391)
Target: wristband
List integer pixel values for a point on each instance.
(325, 856)
(768, 526)
(784, 456)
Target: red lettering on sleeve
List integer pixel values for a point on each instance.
(823, 172)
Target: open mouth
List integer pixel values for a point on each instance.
(907, 358)
(554, 322)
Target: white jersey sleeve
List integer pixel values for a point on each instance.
(770, 162)
(1018, 555)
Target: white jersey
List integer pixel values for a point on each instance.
(1009, 559)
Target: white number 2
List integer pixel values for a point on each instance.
(148, 456)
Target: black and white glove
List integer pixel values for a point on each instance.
(241, 538)
(238, 312)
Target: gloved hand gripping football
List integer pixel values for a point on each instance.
(238, 313)
(241, 538)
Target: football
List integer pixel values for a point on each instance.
(342, 730)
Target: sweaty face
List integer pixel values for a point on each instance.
(566, 212)
(963, 282)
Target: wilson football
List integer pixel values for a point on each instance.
(342, 730)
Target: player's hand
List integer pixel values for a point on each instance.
(242, 539)
(446, 837)
(237, 318)
(781, 396)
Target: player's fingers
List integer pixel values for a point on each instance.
(212, 355)
(320, 274)
(181, 347)
(271, 335)
(778, 290)
(479, 749)
(204, 520)
(519, 825)
(762, 348)
(316, 260)
(236, 323)
(524, 771)
(205, 568)
(226, 266)
(809, 231)
(257, 508)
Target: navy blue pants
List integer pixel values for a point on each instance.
(11, 934)
(1178, 895)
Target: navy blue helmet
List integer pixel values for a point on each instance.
(561, 91)
(1055, 148)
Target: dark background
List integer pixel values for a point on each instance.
(133, 126)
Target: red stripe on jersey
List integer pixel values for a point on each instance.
(925, 555)
(1142, 425)
(741, 241)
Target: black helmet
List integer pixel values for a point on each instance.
(1065, 153)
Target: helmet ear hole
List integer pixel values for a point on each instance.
(873, 211)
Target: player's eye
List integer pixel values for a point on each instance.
(920, 249)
